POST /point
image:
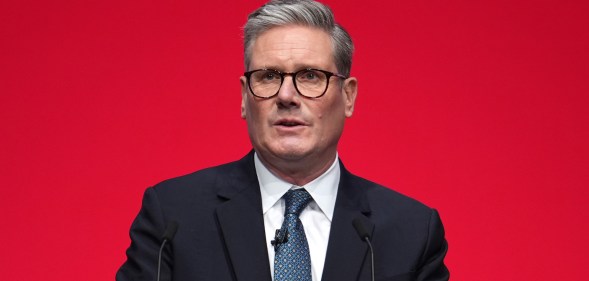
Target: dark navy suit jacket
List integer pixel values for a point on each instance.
(221, 231)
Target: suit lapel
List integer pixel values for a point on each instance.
(346, 252)
(242, 224)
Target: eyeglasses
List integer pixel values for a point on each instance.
(309, 82)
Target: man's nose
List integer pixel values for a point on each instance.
(288, 95)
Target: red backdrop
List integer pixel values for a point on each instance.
(477, 108)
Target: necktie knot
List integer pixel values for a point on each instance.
(296, 200)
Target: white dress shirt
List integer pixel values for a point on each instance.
(316, 217)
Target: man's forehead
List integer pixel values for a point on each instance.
(293, 45)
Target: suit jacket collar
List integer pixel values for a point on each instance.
(241, 222)
(242, 225)
(346, 251)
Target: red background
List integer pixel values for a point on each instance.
(477, 108)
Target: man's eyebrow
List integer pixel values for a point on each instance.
(297, 67)
(274, 67)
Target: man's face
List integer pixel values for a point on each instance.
(288, 127)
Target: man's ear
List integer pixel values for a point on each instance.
(244, 91)
(350, 91)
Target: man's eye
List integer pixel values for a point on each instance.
(308, 76)
(270, 76)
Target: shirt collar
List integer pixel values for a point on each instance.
(323, 189)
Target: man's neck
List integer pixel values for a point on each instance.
(298, 172)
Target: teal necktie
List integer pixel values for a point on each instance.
(292, 261)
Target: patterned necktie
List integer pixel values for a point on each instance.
(292, 261)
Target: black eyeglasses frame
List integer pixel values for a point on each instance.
(328, 76)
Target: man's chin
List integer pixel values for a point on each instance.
(289, 153)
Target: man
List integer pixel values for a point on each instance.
(291, 195)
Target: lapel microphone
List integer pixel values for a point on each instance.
(279, 238)
(168, 235)
(365, 236)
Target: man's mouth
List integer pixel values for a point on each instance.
(289, 123)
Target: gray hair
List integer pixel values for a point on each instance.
(302, 12)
